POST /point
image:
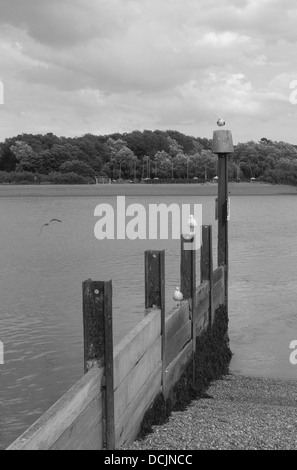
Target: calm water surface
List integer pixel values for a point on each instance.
(41, 278)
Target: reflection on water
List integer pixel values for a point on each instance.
(41, 278)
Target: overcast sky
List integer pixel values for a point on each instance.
(77, 66)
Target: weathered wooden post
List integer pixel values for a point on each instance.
(222, 146)
(155, 292)
(188, 266)
(98, 345)
(206, 264)
(188, 281)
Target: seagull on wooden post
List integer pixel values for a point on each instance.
(49, 222)
(178, 296)
(192, 223)
(221, 122)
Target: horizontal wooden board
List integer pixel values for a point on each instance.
(67, 412)
(218, 274)
(176, 368)
(218, 289)
(86, 433)
(137, 377)
(175, 319)
(135, 344)
(202, 301)
(177, 342)
(128, 426)
(202, 324)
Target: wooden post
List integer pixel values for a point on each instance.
(155, 292)
(222, 146)
(188, 281)
(222, 211)
(98, 345)
(188, 267)
(206, 264)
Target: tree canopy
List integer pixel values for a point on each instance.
(145, 154)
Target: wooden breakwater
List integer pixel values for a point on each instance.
(106, 408)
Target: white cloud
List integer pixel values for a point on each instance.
(71, 67)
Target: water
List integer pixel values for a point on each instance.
(41, 278)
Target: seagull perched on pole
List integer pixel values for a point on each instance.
(221, 122)
(177, 296)
(49, 222)
(192, 223)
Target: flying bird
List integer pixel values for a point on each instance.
(49, 222)
(192, 223)
(221, 122)
(178, 296)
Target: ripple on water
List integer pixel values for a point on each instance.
(40, 286)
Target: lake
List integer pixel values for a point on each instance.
(41, 277)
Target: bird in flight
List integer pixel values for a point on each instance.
(49, 222)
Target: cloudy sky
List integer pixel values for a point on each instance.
(76, 66)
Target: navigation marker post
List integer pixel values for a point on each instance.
(223, 145)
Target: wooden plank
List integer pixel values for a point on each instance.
(108, 350)
(218, 275)
(202, 324)
(219, 287)
(154, 271)
(135, 344)
(163, 312)
(223, 255)
(128, 427)
(222, 210)
(202, 300)
(98, 343)
(188, 266)
(207, 264)
(93, 317)
(206, 261)
(219, 294)
(177, 342)
(43, 434)
(175, 319)
(155, 289)
(175, 370)
(188, 276)
(86, 433)
(138, 376)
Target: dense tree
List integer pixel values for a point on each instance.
(189, 145)
(77, 166)
(142, 154)
(163, 165)
(24, 155)
(122, 158)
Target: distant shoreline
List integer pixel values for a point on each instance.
(208, 189)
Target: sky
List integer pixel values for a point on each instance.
(73, 67)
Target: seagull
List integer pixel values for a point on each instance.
(192, 223)
(177, 296)
(47, 224)
(221, 122)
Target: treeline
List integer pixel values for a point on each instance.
(163, 155)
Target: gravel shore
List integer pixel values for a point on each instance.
(242, 413)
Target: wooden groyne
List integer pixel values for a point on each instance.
(107, 408)
(166, 355)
